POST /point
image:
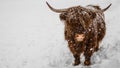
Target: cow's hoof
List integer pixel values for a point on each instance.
(76, 63)
(87, 63)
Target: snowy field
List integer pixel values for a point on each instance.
(31, 35)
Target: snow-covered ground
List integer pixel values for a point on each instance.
(31, 35)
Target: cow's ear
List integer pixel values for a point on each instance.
(63, 16)
(92, 14)
(97, 7)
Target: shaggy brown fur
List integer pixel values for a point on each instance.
(84, 21)
(84, 29)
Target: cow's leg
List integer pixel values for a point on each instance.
(77, 59)
(97, 46)
(79, 49)
(74, 52)
(88, 53)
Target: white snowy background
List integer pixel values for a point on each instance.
(32, 36)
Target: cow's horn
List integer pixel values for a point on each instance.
(56, 10)
(106, 8)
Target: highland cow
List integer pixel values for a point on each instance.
(84, 29)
